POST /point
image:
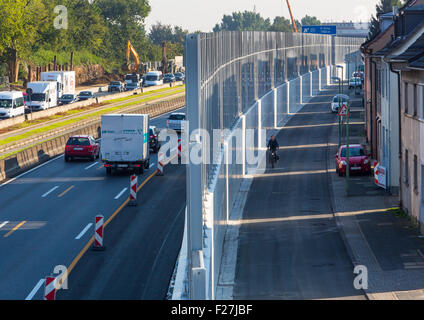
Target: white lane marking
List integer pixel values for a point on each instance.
(29, 171)
(34, 291)
(151, 165)
(3, 224)
(92, 165)
(50, 191)
(120, 194)
(83, 231)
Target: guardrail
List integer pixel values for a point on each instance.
(37, 154)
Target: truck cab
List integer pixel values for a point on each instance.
(44, 95)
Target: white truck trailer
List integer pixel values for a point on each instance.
(44, 95)
(65, 81)
(125, 142)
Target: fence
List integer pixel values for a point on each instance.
(242, 83)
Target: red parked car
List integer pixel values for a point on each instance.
(82, 147)
(359, 160)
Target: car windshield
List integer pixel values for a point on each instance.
(6, 103)
(353, 152)
(176, 117)
(38, 97)
(152, 78)
(169, 75)
(178, 74)
(85, 94)
(337, 99)
(115, 83)
(67, 97)
(74, 141)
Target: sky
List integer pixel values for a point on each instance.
(204, 14)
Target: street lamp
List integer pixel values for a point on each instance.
(340, 118)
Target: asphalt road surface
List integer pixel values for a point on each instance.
(45, 217)
(289, 245)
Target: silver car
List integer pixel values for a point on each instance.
(175, 121)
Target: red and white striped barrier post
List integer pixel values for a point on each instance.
(179, 148)
(133, 191)
(160, 164)
(49, 288)
(98, 233)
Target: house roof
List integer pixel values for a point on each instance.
(417, 64)
(414, 50)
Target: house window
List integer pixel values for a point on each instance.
(406, 168)
(406, 97)
(415, 173)
(415, 100)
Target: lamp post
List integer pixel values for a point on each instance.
(340, 120)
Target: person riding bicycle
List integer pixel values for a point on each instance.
(273, 146)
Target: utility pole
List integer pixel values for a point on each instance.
(347, 149)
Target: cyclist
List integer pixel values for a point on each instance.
(273, 146)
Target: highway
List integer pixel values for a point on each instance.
(45, 219)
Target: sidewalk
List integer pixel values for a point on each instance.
(384, 241)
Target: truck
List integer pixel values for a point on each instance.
(44, 95)
(125, 142)
(65, 81)
(133, 78)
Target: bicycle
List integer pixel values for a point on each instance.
(273, 158)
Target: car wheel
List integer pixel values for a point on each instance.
(146, 164)
(92, 158)
(109, 170)
(66, 159)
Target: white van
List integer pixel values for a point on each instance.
(153, 78)
(12, 104)
(44, 95)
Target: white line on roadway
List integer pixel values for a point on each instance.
(120, 194)
(34, 291)
(83, 231)
(29, 171)
(50, 191)
(3, 224)
(151, 165)
(91, 165)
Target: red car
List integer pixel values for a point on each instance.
(359, 161)
(82, 147)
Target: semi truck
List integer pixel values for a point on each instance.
(44, 95)
(65, 81)
(125, 142)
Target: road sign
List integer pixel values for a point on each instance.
(343, 111)
(380, 174)
(329, 30)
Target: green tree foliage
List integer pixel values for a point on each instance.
(384, 6)
(310, 21)
(243, 21)
(174, 38)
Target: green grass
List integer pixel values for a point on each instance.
(75, 120)
(398, 212)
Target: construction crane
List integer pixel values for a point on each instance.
(291, 15)
(128, 66)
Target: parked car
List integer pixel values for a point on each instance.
(175, 120)
(179, 76)
(169, 77)
(132, 86)
(85, 95)
(154, 139)
(82, 146)
(338, 101)
(68, 98)
(359, 160)
(355, 82)
(117, 86)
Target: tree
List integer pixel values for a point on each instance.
(243, 21)
(384, 6)
(160, 33)
(310, 21)
(281, 24)
(20, 21)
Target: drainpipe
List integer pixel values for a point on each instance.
(400, 130)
